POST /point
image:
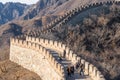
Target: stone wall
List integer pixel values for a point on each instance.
(90, 69)
(36, 58)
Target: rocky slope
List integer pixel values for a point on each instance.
(39, 7)
(10, 11)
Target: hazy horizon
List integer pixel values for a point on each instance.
(21, 1)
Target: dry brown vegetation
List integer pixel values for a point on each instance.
(13, 71)
(96, 39)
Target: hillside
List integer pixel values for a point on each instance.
(40, 8)
(11, 11)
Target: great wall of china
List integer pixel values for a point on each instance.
(41, 55)
(31, 52)
(60, 21)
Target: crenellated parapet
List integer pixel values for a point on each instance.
(23, 37)
(41, 50)
(90, 69)
(41, 46)
(72, 13)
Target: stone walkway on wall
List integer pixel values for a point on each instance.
(66, 63)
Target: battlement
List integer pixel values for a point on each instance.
(70, 55)
(41, 50)
(39, 45)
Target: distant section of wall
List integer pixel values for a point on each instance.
(60, 21)
(35, 58)
(90, 69)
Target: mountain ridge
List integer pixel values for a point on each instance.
(10, 11)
